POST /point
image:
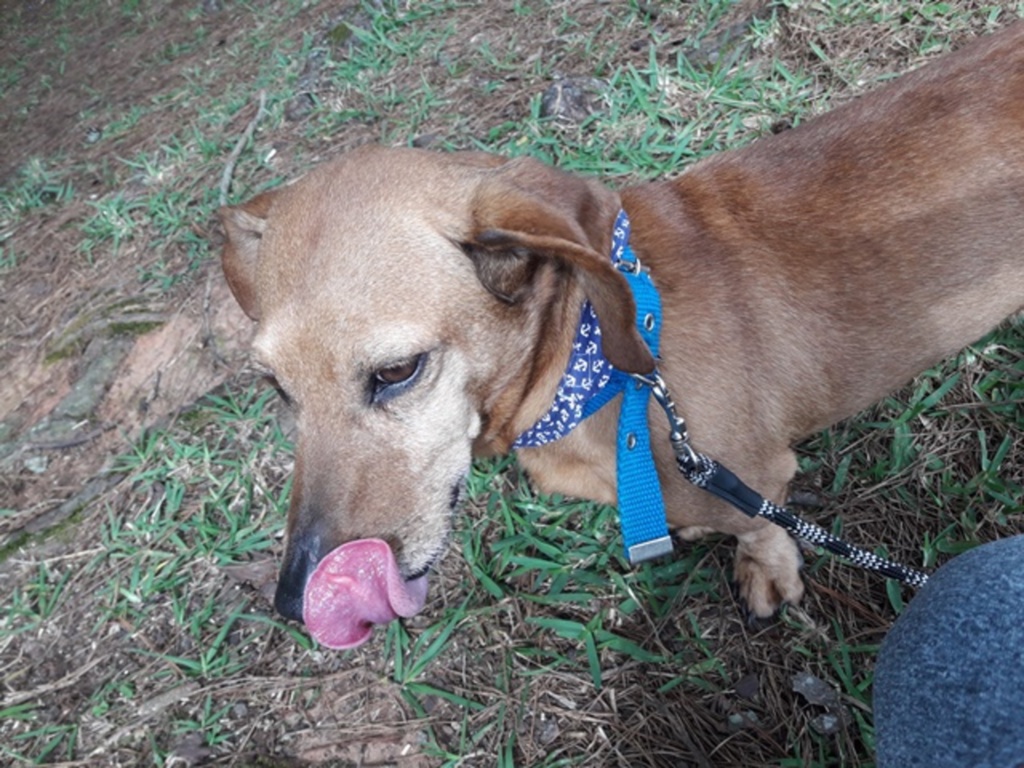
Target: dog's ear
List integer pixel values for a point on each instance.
(244, 225)
(526, 212)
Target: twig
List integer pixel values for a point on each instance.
(209, 338)
(71, 442)
(17, 697)
(229, 169)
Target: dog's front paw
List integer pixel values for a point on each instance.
(767, 571)
(693, 532)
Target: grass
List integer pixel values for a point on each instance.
(202, 507)
(145, 633)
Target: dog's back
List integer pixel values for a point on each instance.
(869, 243)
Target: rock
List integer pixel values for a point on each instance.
(572, 99)
(747, 687)
(827, 724)
(815, 690)
(36, 464)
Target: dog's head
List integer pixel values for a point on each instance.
(414, 308)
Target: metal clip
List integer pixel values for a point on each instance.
(678, 435)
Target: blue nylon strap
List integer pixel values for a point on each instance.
(590, 382)
(641, 506)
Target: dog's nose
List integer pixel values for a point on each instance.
(288, 599)
(300, 559)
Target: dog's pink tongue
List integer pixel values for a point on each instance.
(354, 587)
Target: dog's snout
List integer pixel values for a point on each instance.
(300, 559)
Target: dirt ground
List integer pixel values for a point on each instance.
(97, 345)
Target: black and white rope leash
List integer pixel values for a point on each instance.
(708, 474)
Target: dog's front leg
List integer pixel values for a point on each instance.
(767, 564)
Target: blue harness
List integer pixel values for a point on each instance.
(590, 382)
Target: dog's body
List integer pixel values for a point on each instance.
(419, 308)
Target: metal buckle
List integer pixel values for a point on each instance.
(648, 550)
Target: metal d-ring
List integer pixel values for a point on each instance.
(630, 266)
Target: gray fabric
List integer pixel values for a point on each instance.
(949, 683)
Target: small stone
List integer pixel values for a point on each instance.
(36, 464)
(747, 687)
(571, 99)
(299, 107)
(548, 731)
(425, 140)
(815, 690)
(828, 724)
(739, 721)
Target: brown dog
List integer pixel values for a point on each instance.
(419, 309)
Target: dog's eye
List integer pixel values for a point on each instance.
(397, 373)
(393, 379)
